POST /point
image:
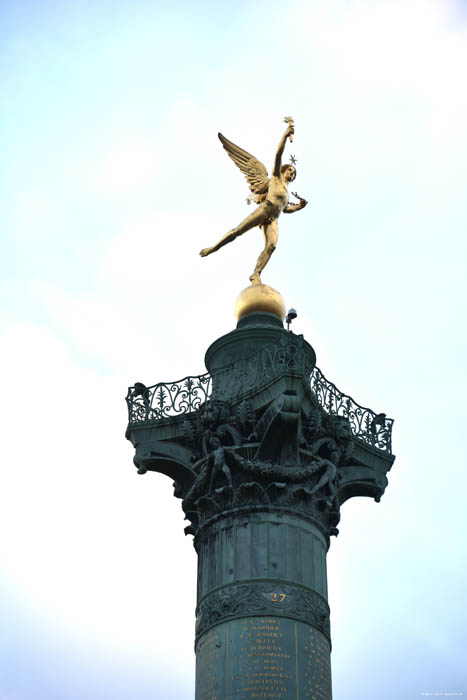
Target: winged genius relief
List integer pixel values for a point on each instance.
(270, 193)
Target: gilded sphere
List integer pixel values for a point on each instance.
(259, 297)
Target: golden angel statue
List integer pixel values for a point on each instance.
(271, 193)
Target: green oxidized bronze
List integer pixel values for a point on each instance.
(263, 451)
(187, 395)
(267, 428)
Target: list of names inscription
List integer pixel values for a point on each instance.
(256, 658)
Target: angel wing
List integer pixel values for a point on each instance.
(254, 171)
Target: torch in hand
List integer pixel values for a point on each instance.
(290, 122)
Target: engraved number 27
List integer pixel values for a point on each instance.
(278, 597)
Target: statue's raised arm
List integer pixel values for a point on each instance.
(280, 149)
(270, 193)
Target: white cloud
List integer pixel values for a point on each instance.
(126, 168)
(150, 282)
(80, 521)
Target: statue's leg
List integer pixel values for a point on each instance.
(256, 218)
(321, 482)
(227, 473)
(212, 480)
(271, 233)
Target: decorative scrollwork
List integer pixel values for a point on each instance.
(263, 598)
(373, 429)
(187, 395)
(231, 383)
(288, 354)
(167, 399)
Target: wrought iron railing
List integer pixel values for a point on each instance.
(168, 399)
(368, 426)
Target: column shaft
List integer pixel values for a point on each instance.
(262, 614)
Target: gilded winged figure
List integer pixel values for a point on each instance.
(270, 193)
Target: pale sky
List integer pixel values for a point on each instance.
(113, 179)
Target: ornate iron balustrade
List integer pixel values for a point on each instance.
(167, 398)
(373, 429)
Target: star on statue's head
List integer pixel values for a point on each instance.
(293, 160)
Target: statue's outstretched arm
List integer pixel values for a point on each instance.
(280, 150)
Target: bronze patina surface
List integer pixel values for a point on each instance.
(263, 452)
